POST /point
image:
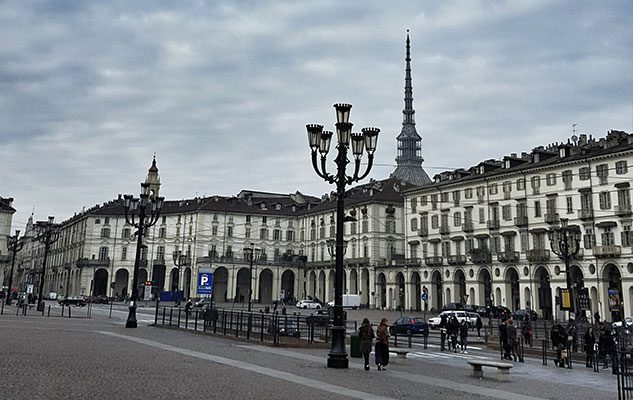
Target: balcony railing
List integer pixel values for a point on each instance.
(468, 226)
(434, 261)
(480, 256)
(508, 256)
(607, 251)
(457, 259)
(423, 232)
(623, 210)
(520, 221)
(87, 262)
(552, 218)
(537, 255)
(493, 224)
(585, 214)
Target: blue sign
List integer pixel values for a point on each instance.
(425, 297)
(205, 283)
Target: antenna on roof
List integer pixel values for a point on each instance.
(573, 128)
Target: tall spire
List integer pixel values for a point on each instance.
(153, 179)
(409, 159)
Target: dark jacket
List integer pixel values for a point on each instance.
(366, 335)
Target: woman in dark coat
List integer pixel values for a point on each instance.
(589, 340)
(382, 345)
(366, 335)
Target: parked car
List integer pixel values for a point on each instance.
(500, 312)
(102, 299)
(285, 327)
(72, 301)
(452, 307)
(482, 311)
(319, 318)
(471, 318)
(204, 302)
(404, 325)
(520, 315)
(305, 304)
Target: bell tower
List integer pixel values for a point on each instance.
(153, 179)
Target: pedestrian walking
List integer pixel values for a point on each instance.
(512, 340)
(382, 345)
(188, 307)
(606, 346)
(443, 331)
(503, 338)
(590, 340)
(453, 332)
(366, 335)
(479, 324)
(526, 330)
(463, 336)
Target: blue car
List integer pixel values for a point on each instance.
(404, 325)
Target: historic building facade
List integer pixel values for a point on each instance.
(482, 234)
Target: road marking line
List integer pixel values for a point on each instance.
(327, 387)
(425, 380)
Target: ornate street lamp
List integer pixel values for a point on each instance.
(565, 243)
(47, 233)
(141, 213)
(319, 141)
(251, 254)
(180, 260)
(14, 245)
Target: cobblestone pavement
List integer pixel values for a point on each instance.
(61, 358)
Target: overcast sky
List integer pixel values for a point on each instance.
(221, 91)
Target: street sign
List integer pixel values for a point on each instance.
(425, 297)
(205, 283)
(584, 303)
(565, 299)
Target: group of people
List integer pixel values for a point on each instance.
(452, 329)
(378, 341)
(601, 343)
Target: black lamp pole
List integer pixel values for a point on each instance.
(180, 260)
(565, 243)
(47, 233)
(251, 254)
(148, 209)
(14, 245)
(319, 141)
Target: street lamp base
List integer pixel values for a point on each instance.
(336, 361)
(131, 318)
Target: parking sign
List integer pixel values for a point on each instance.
(205, 283)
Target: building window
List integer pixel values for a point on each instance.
(457, 219)
(263, 233)
(162, 232)
(524, 240)
(214, 231)
(535, 183)
(414, 224)
(584, 173)
(365, 224)
(492, 189)
(570, 205)
(414, 250)
(605, 200)
(521, 184)
(434, 201)
(423, 201)
(391, 225)
(160, 253)
(290, 236)
(482, 215)
(507, 190)
(602, 171)
(456, 198)
(607, 237)
(481, 194)
(97, 221)
(567, 179)
(443, 197)
(123, 253)
(277, 234)
(126, 233)
(103, 253)
(105, 233)
(414, 204)
(626, 236)
(537, 208)
(506, 212)
(247, 233)
(264, 220)
(621, 167)
(468, 193)
(550, 179)
(248, 219)
(434, 221)
(589, 239)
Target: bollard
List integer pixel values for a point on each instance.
(410, 338)
(164, 308)
(186, 319)
(62, 310)
(426, 338)
(69, 312)
(171, 314)
(179, 315)
(2, 309)
(569, 357)
(49, 311)
(501, 347)
(195, 322)
(248, 326)
(544, 348)
(261, 328)
(521, 350)
(156, 314)
(395, 338)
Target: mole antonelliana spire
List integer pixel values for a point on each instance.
(409, 159)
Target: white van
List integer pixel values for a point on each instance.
(349, 301)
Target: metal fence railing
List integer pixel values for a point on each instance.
(275, 328)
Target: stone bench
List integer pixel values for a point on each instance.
(503, 369)
(400, 353)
